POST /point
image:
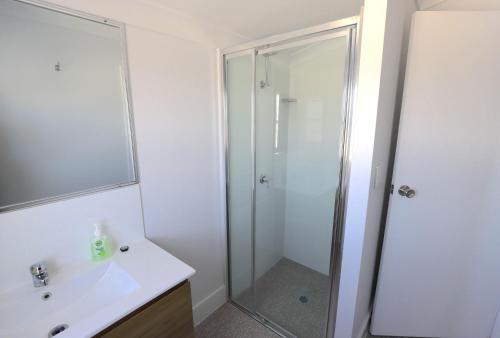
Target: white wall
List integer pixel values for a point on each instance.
(173, 86)
(59, 233)
(363, 136)
(385, 26)
(397, 30)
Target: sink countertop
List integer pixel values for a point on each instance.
(153, 271)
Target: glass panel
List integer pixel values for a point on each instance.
(64, 120)
(299, 128)
(239, 83)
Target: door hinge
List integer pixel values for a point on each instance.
(392, 188)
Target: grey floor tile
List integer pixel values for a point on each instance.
(230, 322)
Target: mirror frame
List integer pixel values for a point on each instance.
(129, 108)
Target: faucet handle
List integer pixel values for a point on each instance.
(38, 268)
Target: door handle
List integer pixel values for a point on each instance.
(406, 191)
(264, 180)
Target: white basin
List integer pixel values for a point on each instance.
(87, 297)
(65, 300)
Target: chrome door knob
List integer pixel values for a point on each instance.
(406, 191)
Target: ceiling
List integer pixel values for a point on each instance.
(260, 18)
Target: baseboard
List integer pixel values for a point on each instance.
(209, 304)
(363, 330)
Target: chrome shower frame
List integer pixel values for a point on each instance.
(351, 27)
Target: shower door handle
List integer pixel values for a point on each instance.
(264, 180)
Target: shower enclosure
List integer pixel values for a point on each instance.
(287, 113)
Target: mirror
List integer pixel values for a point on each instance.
(65, 123)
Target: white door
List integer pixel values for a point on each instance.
(440, 269)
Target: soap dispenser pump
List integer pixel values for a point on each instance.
(99, 248)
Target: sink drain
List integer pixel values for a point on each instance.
(303, 299)
(58, 329)
(46, 296)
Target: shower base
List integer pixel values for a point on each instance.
(292, 296)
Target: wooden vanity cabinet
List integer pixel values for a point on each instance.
(167, 316)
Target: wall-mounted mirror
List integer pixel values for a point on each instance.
(65, 123)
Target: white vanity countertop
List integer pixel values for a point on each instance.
(155, 270)
(141, 274)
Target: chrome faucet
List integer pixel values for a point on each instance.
(40, 275)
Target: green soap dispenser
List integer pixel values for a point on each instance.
(99, 248)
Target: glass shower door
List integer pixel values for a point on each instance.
(239, 80)
(286, 114)
(299, 132)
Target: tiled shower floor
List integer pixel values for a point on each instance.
(230, 322)
(294, 297)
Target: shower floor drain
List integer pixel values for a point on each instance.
(303, 299)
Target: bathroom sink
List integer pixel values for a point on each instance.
(85, 297)
(63, 301)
